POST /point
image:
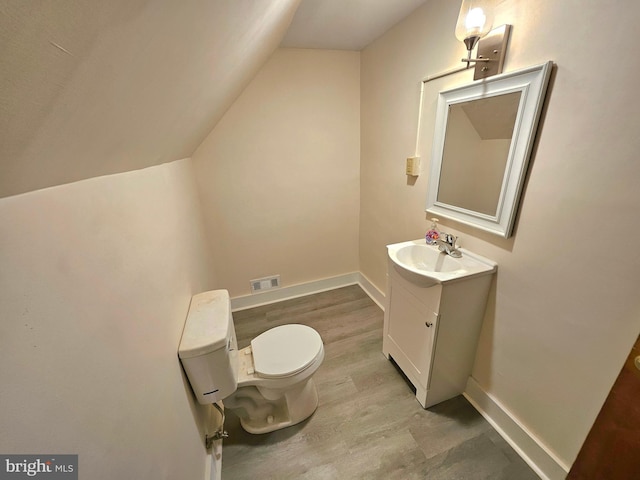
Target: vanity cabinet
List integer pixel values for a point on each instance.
(431, 330)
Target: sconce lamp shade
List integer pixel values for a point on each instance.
(474, 21)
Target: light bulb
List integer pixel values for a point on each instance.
(475, 19)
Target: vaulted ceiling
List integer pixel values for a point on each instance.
(344, 24)
(91, 87)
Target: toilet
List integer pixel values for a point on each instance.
(269, 384)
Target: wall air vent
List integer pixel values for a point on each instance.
(266, 283)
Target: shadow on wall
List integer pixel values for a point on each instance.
(487, 333)
(207, 419)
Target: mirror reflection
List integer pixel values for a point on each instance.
(476, 149)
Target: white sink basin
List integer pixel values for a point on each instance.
(429, 263)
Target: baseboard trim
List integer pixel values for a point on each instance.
(537, 455)
(374, 292)
(294, 291)
(213, 465)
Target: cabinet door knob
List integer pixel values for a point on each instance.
(428, 324)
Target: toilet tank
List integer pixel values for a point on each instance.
(208, 349)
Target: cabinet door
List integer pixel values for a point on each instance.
(412, 329)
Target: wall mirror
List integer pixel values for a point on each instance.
(484, 133)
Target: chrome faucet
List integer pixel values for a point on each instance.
(447, 244)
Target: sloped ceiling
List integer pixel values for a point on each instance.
(91, 87)
(344, 24)
(493, 118)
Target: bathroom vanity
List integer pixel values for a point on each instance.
(433, 316)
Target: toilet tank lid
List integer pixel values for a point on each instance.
(207, 326)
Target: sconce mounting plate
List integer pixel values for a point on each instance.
(493, 47)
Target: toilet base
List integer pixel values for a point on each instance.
(259, 415)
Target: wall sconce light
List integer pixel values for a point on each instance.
(474, 23)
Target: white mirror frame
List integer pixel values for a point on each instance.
(532, 82)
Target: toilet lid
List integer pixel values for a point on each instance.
(286, 350)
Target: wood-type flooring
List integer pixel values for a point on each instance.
(368, 424)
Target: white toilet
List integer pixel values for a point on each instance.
(268, 385)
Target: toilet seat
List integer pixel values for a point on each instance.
(286, 350)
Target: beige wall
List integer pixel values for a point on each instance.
(95, 284)
(565, 309)
(278, 176)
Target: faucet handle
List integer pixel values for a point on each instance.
(450, 239)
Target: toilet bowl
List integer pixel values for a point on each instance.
(269, 384)
(275, 388)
